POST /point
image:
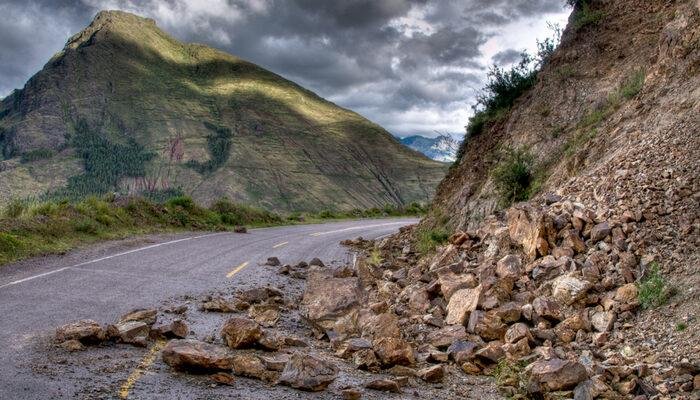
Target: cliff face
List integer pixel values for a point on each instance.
(589, 140)
(190, 117)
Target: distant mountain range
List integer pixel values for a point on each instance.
(441, 148)
(126, 108)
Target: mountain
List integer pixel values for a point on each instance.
(442, 148)
(126, 107)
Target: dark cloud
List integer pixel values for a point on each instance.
(411, 65)
(507, 57)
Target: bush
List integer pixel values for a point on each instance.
(653, 289)
(513, 176)
(585, 16)
(429, 239)
(185, 202)
(9, 244)
(87, 226)
(633, 85)
(35, 155)
(14, 209)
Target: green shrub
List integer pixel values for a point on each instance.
(185, 202)
(429, 239)
(375, 257)
(47, 209)
(15, 209)
(633, 85)
(219, 147)
(512, 375)
(327, 214)
(653, 288)
(86, 225)
(681, 326)
(513, 176)
(9, 244)
(35, 155)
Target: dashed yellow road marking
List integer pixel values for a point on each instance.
(145, 363)
(280, 245)
(316, 234)
(237, 269)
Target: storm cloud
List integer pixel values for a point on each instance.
(413, 66)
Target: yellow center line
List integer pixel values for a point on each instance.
(237, 269)
(279, 245)
(316, 234)
(145, 363)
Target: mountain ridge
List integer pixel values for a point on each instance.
(284, 147)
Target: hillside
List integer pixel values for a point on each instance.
(126, 106)
(442, 148)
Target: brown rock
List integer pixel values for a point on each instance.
(493, 351)
(518, 349)
(72, 345)
(251, 366)
(86, 331)
(223, 378)
(450, 281)
(573, 241)
(133, 332)
(241, 333)
(350, 346)
(461, 351)
(461, 304)
(568, 289)
(526, 226)
(555, 374)
(432, 374)
(308, 372)
(444, 337)
(265, 315)
(384, 385)
(275, 362)
(351, 394)
(366, 360)
(600, 231)
(327, 298)
(273, 262)
(176, 329)
(147, 316)
(393, 351)
(627, 293)
(509, 312)
(488, 325)
(603, 321)
(193, 355)
(516, 332)
(219, 304)
(545, 308)
(509, 267)
(379, 326)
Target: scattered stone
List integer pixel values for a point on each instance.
(72, 345)
(384, 385)
(555, 374)
(600, 231)
(147, 316)
(219, 304)
(176, 329)
(432, 374)
(85, 331)
(316, 262)
(264, 315)
(241, 333)
(133, 332)
(393, 351)
(240, 229)
(351, 394)
(273, 262)
(461, 304)
(308, 372)
(193, 355)
(223, 378)
(366, 360)
(327, 299)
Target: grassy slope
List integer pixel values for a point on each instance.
(291, 150)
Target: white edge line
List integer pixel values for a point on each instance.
(29, 278)
(353, 228)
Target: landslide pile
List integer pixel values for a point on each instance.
(126, 107)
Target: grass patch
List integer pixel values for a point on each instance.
(681, 326)
(653, 291)
(36, 155)
(513, 176)
(633, 85)
(375, 257)
(429, 239)
(511, 376)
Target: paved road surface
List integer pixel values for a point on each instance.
(38, 295)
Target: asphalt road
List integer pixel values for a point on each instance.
(38, 295)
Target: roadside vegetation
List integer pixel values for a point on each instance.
(514, 176)
(654, 291)
(32, 228)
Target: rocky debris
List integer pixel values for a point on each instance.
(223, 378)
(555, 374)
(308, 372)
(240, 229)
(133, 332)
(222, 305)
(273, 262)
(196, 356)
(176, 329)
(384, 385)
(351, 394)
(147, 316)
(72, 345)
(250, 365)
(84, 331)
(241, 333)
(461, 304)
(327, 298)
(266, 315)
(393, 351)
(432, 374)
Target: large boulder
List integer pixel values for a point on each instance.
(252, 366)
(451, 281)
(241, 333)
(555, 374)
(393, 351)
(529, 227)
(85, 331)
(461, 304)
(308, 372)
(327, 298)
(193, 355)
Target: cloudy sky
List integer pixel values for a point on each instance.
(412, 66)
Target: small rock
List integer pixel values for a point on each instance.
(432, 374)
(147, 316)
(384, 385)
(393, 351)
(316, 262)
(461, 304)
(193, 355)
(307, 372)
(240, 333)
(555, 374)
(273, 262)
(600, 231)
(72, 345)
(86, 331)
(351, 394)
(240, 229)
(223, 378)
